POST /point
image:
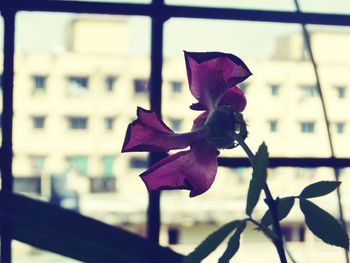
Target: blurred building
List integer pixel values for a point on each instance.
(71, 110)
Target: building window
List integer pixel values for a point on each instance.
(244, 87)
(176, 87)
(287, 233)
(102, 184)
(273, 125)
(108, 162)
(37, 163)
(341, 92)
(340, 127)
(309, 91)
(274, 89)
(39, 83)
(140, 86)
(39, 122)
(109, 83)
(173, 235)
(175, 124)
(77, 123)
(109, 123)
(78, 163)
(77, 85)
(138, 162)
(301, 233)
(307, 127)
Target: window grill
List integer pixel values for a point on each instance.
(159, 13)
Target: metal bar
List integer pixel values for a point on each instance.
(178, 11)
(153, 211)
(6, 124)
(289, 162)
(79, 7)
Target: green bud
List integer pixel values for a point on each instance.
(223, 124)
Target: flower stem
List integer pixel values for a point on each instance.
(272, 204)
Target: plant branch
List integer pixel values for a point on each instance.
(271, 203)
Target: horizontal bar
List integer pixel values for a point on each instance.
(259, 15)
(289, 162)
(177, 11)
(77, 7)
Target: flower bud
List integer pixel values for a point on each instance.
(223, 124)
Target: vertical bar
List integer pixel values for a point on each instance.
(153, 211)
(6, 124)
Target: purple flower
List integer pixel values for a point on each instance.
(212, 78)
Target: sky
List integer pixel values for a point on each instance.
(39, 31)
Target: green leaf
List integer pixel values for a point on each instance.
(72, 235)
(319, 189)
(211, 242)
(323, 225)
(258, 181)
(233, 243)
(284, 206)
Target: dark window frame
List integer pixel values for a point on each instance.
(141, 86)
(341, 92)
(308, 91)
(110, 82)
(307, 127)
(275, 90)
(340, 127)
(176, 87)
(77, 85)
(78, 122)
(39, 122)
(109, 123)
(138, 162)
(273, 126)
(39, 83)
(159, 12)
(176, 124)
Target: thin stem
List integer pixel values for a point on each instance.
(291, 257)
(271, 203)
(307, 40)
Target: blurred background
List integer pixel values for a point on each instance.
(79, 79)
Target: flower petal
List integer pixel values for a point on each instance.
(150, 133)
(235, 98)
(193, 170)
(211, 73)
(197, 106)
(200, 120)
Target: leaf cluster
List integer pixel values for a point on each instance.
(321, 223)
(215, 239)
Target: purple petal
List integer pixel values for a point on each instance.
(150, 133)
(197, 106)
(211, 73)
(193, 170)
(200, 120)
(234, 97)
